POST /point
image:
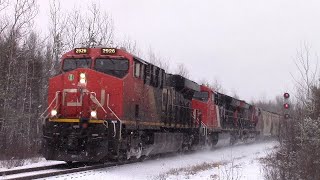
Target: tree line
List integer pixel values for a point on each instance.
(22, 66)
(298, 155)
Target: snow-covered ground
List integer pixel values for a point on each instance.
(26, 163)
(235, 162)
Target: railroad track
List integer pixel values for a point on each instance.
(60, 169)
(54, 170)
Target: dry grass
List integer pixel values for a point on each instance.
(192, 170)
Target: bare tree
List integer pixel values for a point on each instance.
(270, 105)
(234, 93)
(3, 4)
(158, 60)
(182, 70)
(205, 82)
(4, 23)
(74, 30)
(307, 79)
(24, 12)
(98, 28)
(130, 46)
(57, 30)
(300, 135)
(4, 20)
(95, 28)
(16, 67)
(216, 84)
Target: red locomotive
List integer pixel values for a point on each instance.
(109, 104)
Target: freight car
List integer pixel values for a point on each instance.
(107, 104)
(269, 124)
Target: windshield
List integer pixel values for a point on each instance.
(71, 64)
(114, 67)
(202, 96)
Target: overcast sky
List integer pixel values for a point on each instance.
(248, 45)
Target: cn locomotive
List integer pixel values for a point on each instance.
(107, 104)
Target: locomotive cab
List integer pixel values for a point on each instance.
(85, 105)
(204, 100)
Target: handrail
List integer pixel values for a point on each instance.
(95, 100)
(114, 129)
(93, 95)
(202, 123)
(111, 109)
(203, 126)
(55, 98)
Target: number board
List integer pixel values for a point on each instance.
(81, 50)
(108, 51)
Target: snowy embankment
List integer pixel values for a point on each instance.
(235, 162)
(26, 163)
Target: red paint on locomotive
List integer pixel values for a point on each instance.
(207, 106)
(99, 88)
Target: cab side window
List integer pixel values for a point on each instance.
(137, 69)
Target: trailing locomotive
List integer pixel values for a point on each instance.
(109, 104)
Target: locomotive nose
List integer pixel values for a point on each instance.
(83, 96)
(82, 80)
(75, 96)
(78, 77)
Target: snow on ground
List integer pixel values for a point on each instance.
(26, 163)
(235, 162)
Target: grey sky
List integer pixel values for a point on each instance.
(248, 45)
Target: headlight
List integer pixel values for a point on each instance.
(82, 78)
(93, 114)
(54, 112)
(82, 75)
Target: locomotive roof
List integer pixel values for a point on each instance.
(180, 82)
(141, 60)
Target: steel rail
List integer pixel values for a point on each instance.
(56, 170)
(24, 170)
